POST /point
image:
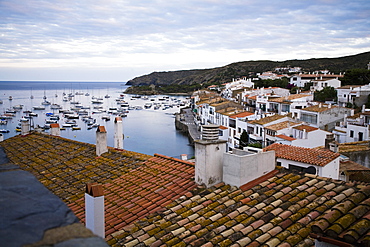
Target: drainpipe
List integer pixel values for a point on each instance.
(94, 209)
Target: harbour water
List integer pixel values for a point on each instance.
(146, 130)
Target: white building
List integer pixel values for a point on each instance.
(323, 83)
(354, 128)
(321, 162)
(353, 94)
(303, 136)
(289, 104)
(301, 79)
(324, 116)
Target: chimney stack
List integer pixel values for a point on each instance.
(209, 152)
(184, 157)
(329, 139)
(94, 209)
(118, 133)
(25, 127)
(101, 141)
(54, 129)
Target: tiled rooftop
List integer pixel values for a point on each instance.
(64, 166)
(287, 99)
(134, 184)
(279, 211)
(288, 138)
(142, 191)
(355, 171)
(282, 125)
(314, 156)
(305, 127)
(319, 108)
(242, 115)
(266, 120)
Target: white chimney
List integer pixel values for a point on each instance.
(209, 152)
(184, 157)
(363, 108)
(25, 127)
(94, 209)
(101, 141)
(54, 129)
(118, 133)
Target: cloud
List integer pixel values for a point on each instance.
(170, 35)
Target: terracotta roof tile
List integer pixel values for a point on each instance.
(266, 120)
(278, 209)
(319, 157)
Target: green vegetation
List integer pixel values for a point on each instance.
(356, 77)
(244, 139)
(186, 81)
(327, 94)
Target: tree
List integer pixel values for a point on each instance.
(328, 93)
(356, 77)
(244, 139)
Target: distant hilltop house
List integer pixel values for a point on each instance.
(269, 75)
(288, 69)
(232, 88)
(321, 80)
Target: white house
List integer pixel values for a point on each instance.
(321, 162)
(301, 79)
(292, 103)
(354, 128)
(324, 116)
(353, 94)
(320, 84)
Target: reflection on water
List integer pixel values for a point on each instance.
(146, 131)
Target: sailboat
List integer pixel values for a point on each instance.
(31, 97)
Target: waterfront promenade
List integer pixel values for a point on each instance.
(185, 122)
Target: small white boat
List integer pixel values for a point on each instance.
(4, 131)
(39, 108)
(106, 118)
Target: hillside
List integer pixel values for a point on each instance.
(241, 69)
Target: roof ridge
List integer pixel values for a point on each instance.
(174, 159)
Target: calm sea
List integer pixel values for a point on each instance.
(146, 131)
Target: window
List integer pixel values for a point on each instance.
(360, 136)
(309, 118)
(351, 133)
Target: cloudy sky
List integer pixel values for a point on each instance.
(117, 40)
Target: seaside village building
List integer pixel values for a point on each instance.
(277, 196)
(319, 80)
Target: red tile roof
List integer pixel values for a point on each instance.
(305, 127)
(142, 191)
(319, 157)
(54, 125)
(242, 115)
(101, 129)
(278, 210)
(288, 138)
